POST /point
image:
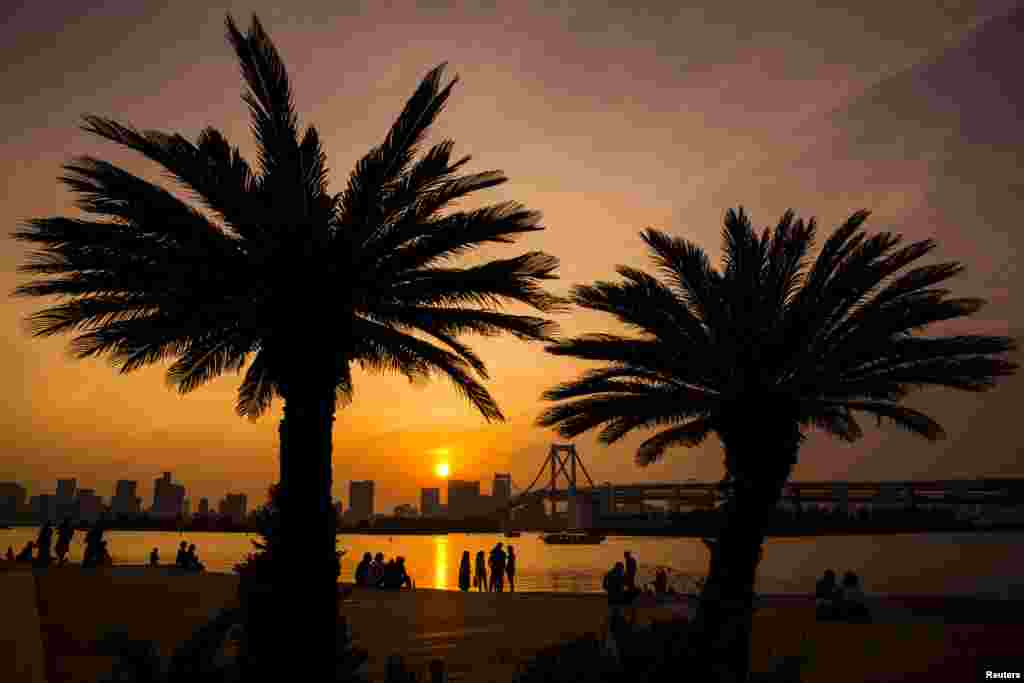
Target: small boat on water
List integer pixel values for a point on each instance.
(574, 538)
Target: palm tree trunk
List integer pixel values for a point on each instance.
(295, 622)
(726, 611)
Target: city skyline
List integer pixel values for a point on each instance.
(910, 116)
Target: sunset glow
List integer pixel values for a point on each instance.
(441, 469)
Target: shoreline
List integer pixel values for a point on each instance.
(611, 533)
(477, 632)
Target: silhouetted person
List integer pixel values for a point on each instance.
(510, 569)
(181, 559)
(192, 560)
(630, 571)
(498, 569)
(104, 559)
(403, 576)
(480, 575)
(392, 577)
(660, 583)
(377, 570)
(851, 599)
(615, 584)
(94, 544)
(65, 533)
(154, 558)
(26, 553)
(464, 571)
(10, 554)
(826, 596)
(44, 545)
(363, 570)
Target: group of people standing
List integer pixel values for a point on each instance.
(41, 551)
(501, 564)
(374, 572)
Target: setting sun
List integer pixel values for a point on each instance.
(441, 469)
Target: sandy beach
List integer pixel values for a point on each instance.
(912, 639)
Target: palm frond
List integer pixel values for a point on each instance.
(487, 285)
(215, 172)
(257, 390)
(690, 434)
(361, 204)
(907, 418)
(410, 246)
(274, 121)
(386, 348)
(208, 357)
(687, 267)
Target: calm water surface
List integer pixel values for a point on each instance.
(960, 563)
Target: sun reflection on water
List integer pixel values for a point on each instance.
(440, 562)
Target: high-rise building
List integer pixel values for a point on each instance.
(125, 500)
(12, 500)
(360, 500)
(233, 507)
(90, 506)
(204, 506)
(430, 502)
(168, 497)
(502, 490)
(463, 498)
(65, 498)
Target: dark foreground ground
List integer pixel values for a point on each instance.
(483, 636)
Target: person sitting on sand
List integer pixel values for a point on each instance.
(389, 580)
(851, 599)
(181, 560)
(480, 575)
(154, 558)
(826, 596)
(464, 572)
(26, 553)
(363, 570)
(10, 554)
(403, 576)
(192, 562)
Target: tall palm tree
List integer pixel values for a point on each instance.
(759, 352)
(304, 282)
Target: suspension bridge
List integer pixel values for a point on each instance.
(559, 483)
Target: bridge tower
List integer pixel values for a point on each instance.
(566, 465)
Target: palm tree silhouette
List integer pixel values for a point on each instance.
(304, 281)
(759, 352)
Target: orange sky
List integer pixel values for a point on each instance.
(607, 119)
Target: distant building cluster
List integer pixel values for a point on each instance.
(464, 500)
(83, 504)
